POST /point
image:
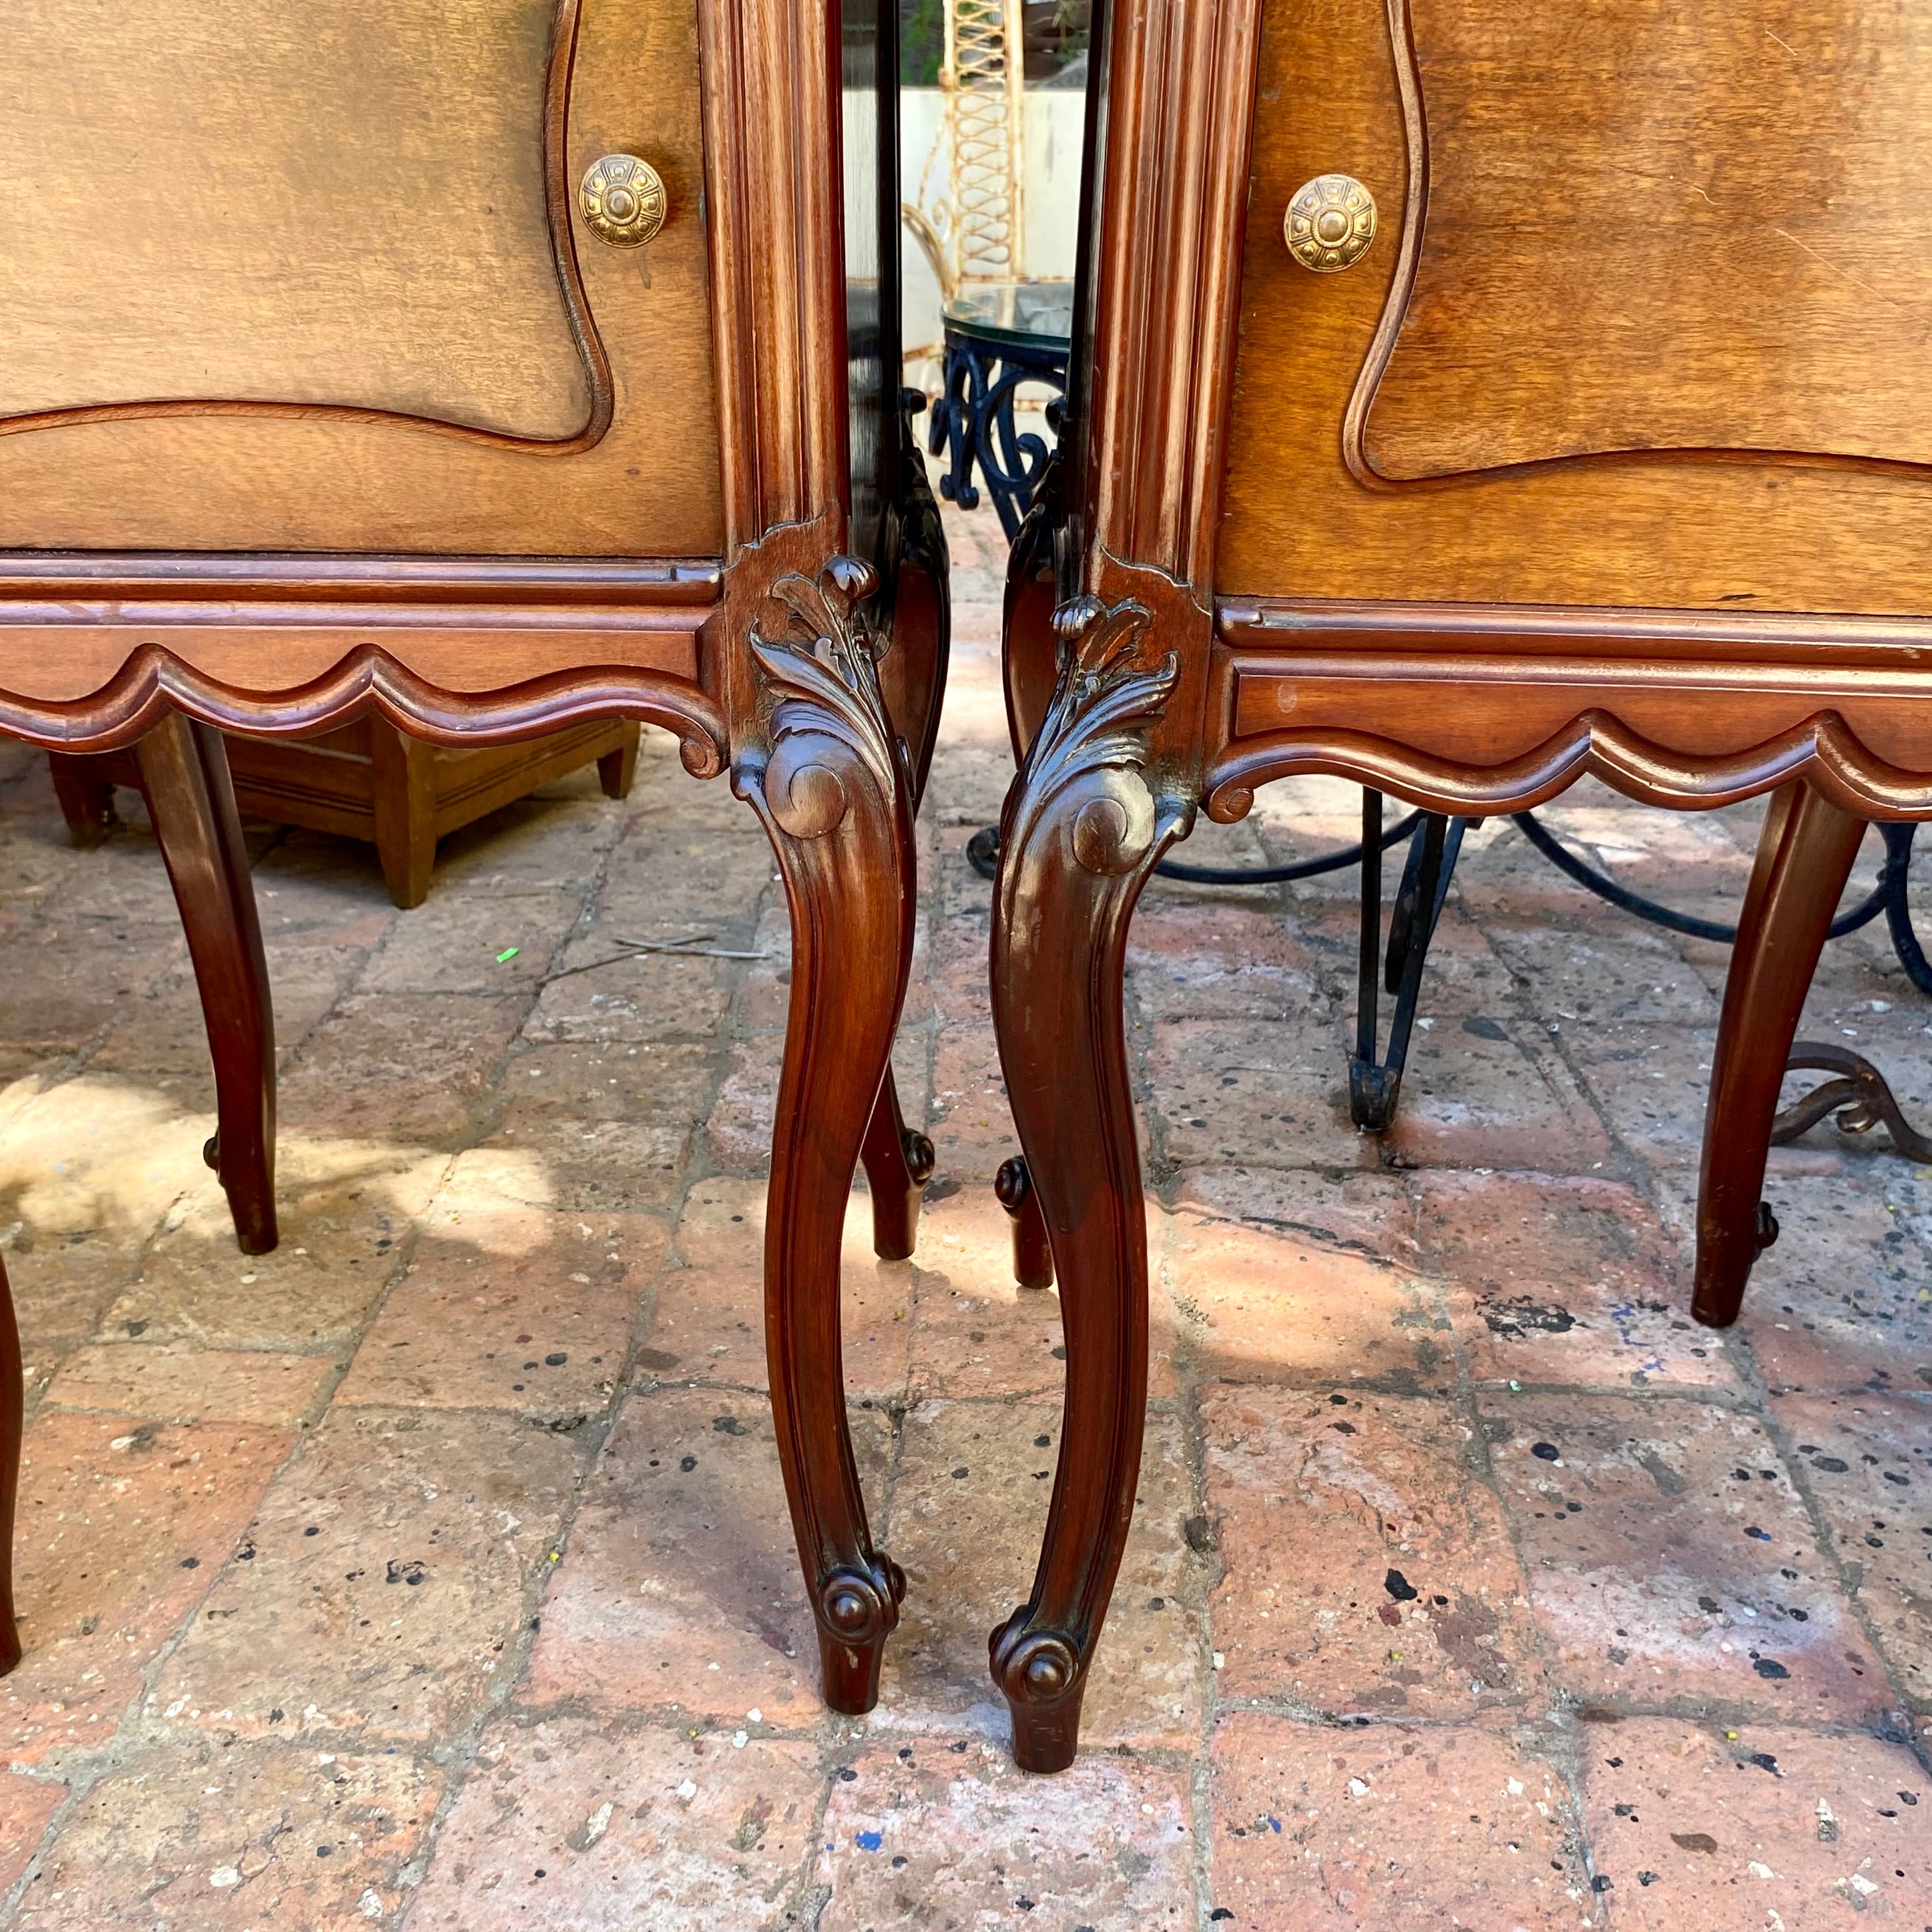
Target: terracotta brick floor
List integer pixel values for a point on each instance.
(433, 1571)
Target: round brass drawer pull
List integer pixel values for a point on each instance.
(622, 199)
(1329, 223)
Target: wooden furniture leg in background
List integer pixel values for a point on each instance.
(898, 1162)
(86, 798)
(1029, 651)
(1029, 660)
(1033, 1253)
(184, 779)
(405, 806)
(831, 792)
(1805, 856)
(366, 780)
(617, 771)
(899, 1159)
(1082, 833)
(13, 1410)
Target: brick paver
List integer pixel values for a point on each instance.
(435, 1571)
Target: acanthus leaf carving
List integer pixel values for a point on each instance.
(1089, 758)
(810, 639)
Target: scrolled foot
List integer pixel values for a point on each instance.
(857, 1609)
(921, 1156)
(1032, 1256)
(1043, 1680)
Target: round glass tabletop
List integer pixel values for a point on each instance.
(1033, 315)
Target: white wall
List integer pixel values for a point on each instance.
(1055, 123)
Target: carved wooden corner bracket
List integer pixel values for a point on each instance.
(828, 722)
(1093, 740)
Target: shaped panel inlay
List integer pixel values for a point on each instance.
(346, 206)
(1649, 226)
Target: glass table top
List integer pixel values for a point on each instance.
(1037, 315)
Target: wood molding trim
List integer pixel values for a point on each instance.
(1173, 206)
(771, 137)
(153, 681)
(88, 586)
(559, 205)
(1257, 624)
(1822, 750)
(414, 638)
(1348, 689)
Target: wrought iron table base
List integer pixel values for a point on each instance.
(1858, 1096)
(972, 421)
(1374, 1085)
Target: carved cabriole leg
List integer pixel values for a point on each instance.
(13, 1407)
(191, 801)
(1082, 832)
(1805, 856)
(828, 779)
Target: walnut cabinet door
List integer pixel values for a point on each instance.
(344, 277)
(1638, 313)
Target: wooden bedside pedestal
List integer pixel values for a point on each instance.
(1467, 395)
(509, 372)
(370, 781)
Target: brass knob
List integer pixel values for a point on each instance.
(622, 199)
(1330, 223)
